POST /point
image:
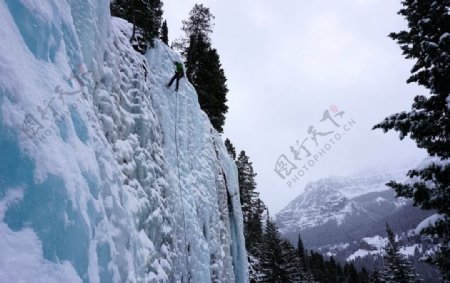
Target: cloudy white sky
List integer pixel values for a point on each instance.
(288, 61)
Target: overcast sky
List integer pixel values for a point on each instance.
(289, 61)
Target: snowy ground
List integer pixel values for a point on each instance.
(106, 175)
(378, 243)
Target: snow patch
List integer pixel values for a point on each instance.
(380, 200)
(362, 253)
(377, 242)
(400, 202)
(429, 221)
(410, 250)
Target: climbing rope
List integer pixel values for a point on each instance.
(179, 184)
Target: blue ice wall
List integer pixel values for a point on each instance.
(45, 207)
(42, 38)
(79, 125)
(102, 183)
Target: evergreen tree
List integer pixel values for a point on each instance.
(195, 54)
(290, 263)
(333, 274)
(397, 269)
(364, 276)
(119, 8)
(146, 15)
(279, 261)
(350, 273)
(427, 41)
(254, 225)
(165, 33)
(254, 268)
(271, 254)
(317, 266)
(301, 254)
(340, 273)
(252, 206)
(203, 67)
(213, 89)
(204, 71)
(230, 148)
(199, 24)
(375, 277)
(247, 184)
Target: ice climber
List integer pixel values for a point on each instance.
(179, 73)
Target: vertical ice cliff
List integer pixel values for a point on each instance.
(105, 174)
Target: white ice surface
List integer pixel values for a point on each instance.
(121, 180)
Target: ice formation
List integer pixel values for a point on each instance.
(105, 174)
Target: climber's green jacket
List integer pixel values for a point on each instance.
(180, 70)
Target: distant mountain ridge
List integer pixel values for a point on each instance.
(345, 209)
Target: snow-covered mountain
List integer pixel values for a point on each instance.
(106, 175)
(344, 209)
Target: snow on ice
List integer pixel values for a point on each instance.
(106, 175)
